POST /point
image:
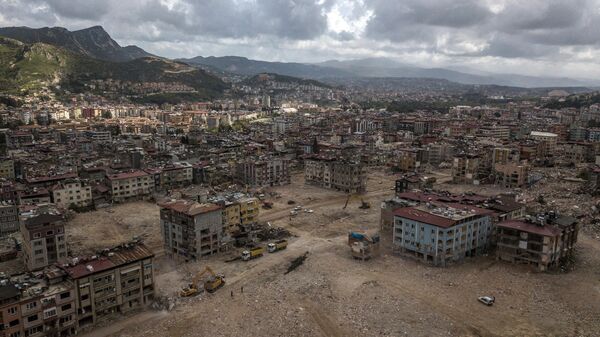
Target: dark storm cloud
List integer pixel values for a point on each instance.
(80, 9)
(515, 29)
(422, 20)
(296, 19)
(529, 30)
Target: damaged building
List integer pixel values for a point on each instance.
(190, 229)
(542, 241)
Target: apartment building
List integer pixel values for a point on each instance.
(32, 305)
(231, 216)
(190, 229)
(511, 175)
(465, 169)
(495, 131)
(43, 239)
(243, 211)
(130, 185)
(72, 192)
(176, 175)
(501, 155)
(547, 143)
(335, 174)
(9, 218)
(438, 153)
(249, 209)
(272, 171)
(540, 241)
(7, 168)
(442, 233)
(65, 300)
(99, 136)
(114, 282)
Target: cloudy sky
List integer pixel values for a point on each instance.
(536, 37)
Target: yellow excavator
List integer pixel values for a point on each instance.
(363, 203)
(213, 283)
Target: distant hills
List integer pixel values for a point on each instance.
(93, 42)
(263, 80)
(71, 59)
(383, 67)
(243, 66)
(379, 68)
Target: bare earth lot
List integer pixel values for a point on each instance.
(333, 295)
(107, 227)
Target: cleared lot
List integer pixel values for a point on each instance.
(333, 295)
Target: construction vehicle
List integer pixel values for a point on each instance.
(363, 246)
(213, 283)
(364, 204)
(253, 253)
(277, 246)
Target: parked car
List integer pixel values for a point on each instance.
(487, 300)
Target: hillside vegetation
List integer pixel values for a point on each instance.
(27, 67)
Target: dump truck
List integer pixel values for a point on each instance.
(211, 284)
(277, 246)
(253, 253)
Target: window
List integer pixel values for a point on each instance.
(31, 305)
(12, 311)
(35, 330)
(65, 295)
(32, 318)
(49, 313)
(66, 307)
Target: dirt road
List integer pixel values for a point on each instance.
(333, 295)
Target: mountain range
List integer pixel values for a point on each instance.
(34, 58)
(93, 42)
(379, 68)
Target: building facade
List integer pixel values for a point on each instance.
(9, 218)
(334, 174)
(72, 193)
(130, 185)
(191, 230)
(537, 242)
(44, 241)
(264, 172)
(441, 234)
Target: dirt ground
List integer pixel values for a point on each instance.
(333, 295)
(108, 227)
